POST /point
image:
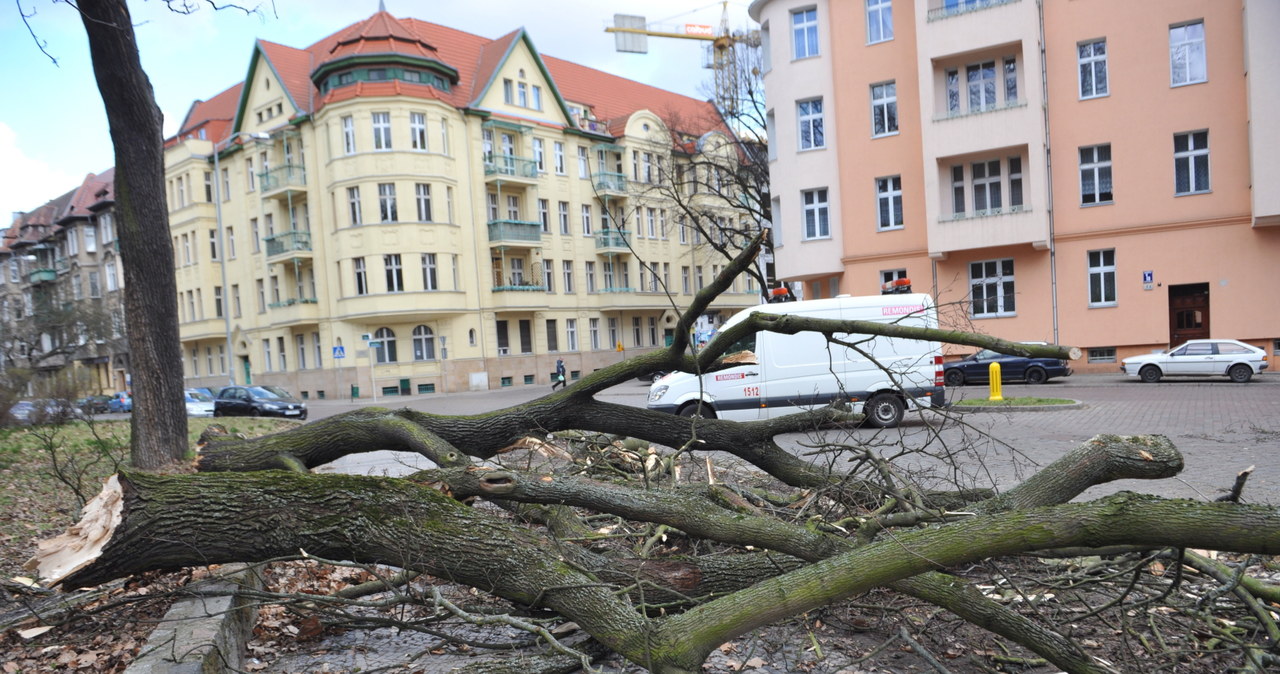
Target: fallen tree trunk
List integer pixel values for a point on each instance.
(164, 522)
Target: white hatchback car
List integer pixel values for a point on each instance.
(199, 403)
(1199, 358)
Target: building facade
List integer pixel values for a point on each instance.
(1085, 172)
(404, 208)
(61, 299)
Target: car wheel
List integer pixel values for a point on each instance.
(1036, 375)
(695, 411)
(1240, 373)
(884, 410)
(1149, 374)
(216, 413)
(954, 378)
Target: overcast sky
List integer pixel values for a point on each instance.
(53, 130)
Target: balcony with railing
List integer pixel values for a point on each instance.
(509, 167)
(38, 276)
(612, 241)
(62, 265)
(945, 9)
(283, 181)
(515, 233)
(293, 243)
(610, 183)
(294, 310)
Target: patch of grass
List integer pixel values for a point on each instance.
(39, 505)
(1025, 401)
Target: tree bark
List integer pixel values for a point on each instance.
(159, 420)
(165, 522)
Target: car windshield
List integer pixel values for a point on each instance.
(199, 396)
(269, 393)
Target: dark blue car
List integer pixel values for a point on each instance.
(974, 369)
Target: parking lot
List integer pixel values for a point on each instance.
(1220, 427)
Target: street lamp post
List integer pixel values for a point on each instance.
(222, 249)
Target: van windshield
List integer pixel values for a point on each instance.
(744, 343)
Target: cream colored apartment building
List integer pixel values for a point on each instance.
(406, 208)
(1094, 173)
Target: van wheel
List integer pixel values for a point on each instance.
(954, 378)
(884, 410)
(1035, 376)
(1149, 374)
(695, 411)
(1240, 373)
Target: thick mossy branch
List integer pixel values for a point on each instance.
(1124, 518)
(172, 521)
(327, 440)
(1098, 460)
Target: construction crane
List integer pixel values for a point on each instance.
(631, 35)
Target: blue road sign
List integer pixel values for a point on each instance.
(339, 352)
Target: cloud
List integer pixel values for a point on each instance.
(27, 182)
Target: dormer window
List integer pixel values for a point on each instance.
(346, 78)
(376, 74)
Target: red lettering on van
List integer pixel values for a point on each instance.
(900, 310)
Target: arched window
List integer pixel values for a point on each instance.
(424, 343)
(385, 352)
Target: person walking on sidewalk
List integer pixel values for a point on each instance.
(559, 376)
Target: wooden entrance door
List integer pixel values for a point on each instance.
(1188, 312)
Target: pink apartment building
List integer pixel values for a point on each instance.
(1088, 172)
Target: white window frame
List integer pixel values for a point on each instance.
(810, 124)
(567, 270)
(998, 278)
(557, 156)
(562, 213)
(540, 154)
(1188, 158)
(430, 272)
(889, 203)
(387, 210)
(353, 208)
(1096, 171)
(361, 276)
(571, 334)
(418, 130)
(394, 273)
(348, 135)
(804, 33)
(884, 108)
(381, 131)
(1092, 59)
(1189, 48)
(422, 198)
(879, 21)
(1103, 272)
(816, 214)
(586, 220)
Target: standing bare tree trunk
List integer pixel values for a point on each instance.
(150, 304)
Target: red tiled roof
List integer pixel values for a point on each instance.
(94, 189)
(293, 67)
(491, 57)
(214, 115)
(612, 98)
(379, 34)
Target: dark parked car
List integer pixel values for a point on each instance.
(974, 369)
(94, 404)
(258, 401)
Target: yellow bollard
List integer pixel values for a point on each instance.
(994, 378)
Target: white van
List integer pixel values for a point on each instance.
(794, 373)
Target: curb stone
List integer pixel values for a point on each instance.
(205, 634)
(965, 409)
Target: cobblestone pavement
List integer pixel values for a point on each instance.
(1220, 428)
